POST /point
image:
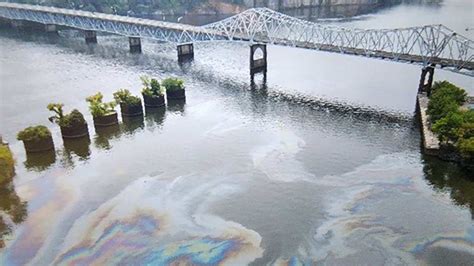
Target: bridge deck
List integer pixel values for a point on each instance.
(106, 17)
(426, 45)
(409, 58)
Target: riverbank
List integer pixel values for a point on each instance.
(429, 138)
(446, 121)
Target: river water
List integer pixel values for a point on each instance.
(319, 163)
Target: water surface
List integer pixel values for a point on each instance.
(319, 164)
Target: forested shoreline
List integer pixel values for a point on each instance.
(130, 7)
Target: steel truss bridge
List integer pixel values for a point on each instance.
(431, 45)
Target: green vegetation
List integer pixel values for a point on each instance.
(124, 96)
(6, 164)
(453, 125)
(99, 108)
(151, 87)
(13, 209)
(57, 108)
(35, 133)
(446, 98)
(173, 84)
(71, 119)
(466, 146)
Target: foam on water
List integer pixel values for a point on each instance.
(277, 159)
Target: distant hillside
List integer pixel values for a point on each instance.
(178, 7)
(143, 7)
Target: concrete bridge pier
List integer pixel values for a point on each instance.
(135, 45)
(254, 85)
(91, 36)
(426, 82)
(50, 28)
(185, 52)
(259, 64)
(16, 24)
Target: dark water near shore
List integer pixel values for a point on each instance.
(319, 164)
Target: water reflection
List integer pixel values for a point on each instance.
(109, 48)
(14, 210)
(105, 134)
(176, 106)
(40, 161)
(132, 125)
(259, 84)
(155, 117)
(448, 177)
(76, 148)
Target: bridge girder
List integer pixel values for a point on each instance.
(425, 45)
(131, 27)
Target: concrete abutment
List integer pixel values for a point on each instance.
(259, 64)
(90, 36)
(426, 82)
(185, 52)
(135, 45)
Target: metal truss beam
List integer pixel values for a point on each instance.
(425, 45)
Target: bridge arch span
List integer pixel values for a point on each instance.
(430, 45)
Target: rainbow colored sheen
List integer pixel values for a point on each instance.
(136, 242)
(294, 261)
(466, 240)
(206, 251)
(116, 238)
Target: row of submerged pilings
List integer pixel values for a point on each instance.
(185, 53)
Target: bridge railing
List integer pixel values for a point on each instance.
(426, 45)
(432, 44)
(128, 26)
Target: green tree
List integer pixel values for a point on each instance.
(447, 126)
(466, 147)
(446, 98)
(447, 89)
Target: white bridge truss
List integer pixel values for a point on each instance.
(434, 45)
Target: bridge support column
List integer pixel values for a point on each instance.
(16, 24)
(260, 64)
(135, 45)
(50, 28)
(426, 84)
(185, 52)
(91, 36)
